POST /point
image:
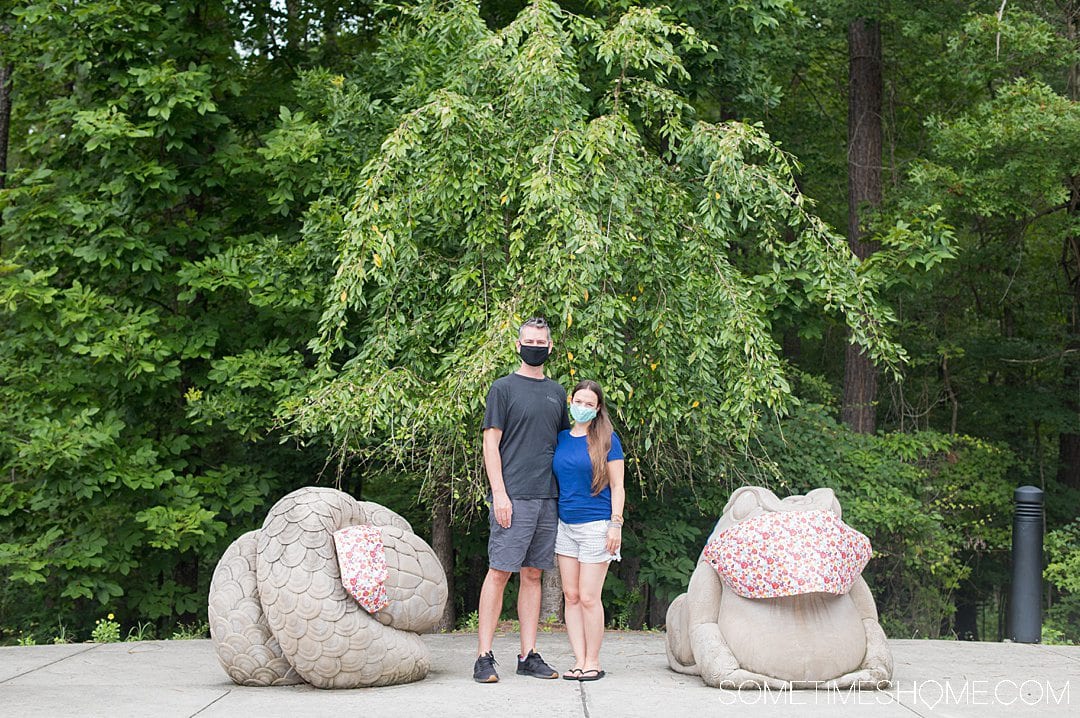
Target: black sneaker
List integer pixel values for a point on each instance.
(483, 670)
(533, 665)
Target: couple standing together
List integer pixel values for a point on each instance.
(556, 489)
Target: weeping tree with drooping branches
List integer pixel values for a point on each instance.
(552, 167)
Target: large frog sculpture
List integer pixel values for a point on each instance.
(777, 600)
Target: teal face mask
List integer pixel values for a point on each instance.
(581, 413)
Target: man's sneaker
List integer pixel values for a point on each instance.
(484, 669)
(533, 665)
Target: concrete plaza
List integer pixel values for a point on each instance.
(183, 678)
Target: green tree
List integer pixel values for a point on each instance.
(143, 335)
(509, 187)
(225, 224)
(980, 126)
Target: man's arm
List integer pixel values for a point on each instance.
(500, 501)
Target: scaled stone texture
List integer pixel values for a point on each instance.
(279, 614)
(811, 640)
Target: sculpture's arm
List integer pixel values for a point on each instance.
(715, 661)
(680, 654)
(877, 666)
(713, 658)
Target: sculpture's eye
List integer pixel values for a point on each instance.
(744, 505)
(825, 499)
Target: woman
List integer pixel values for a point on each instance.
(588, 463)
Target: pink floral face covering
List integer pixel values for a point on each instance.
(362, 561)
(788, 553)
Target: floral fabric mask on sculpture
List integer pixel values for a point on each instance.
(362, 561)
(788, 553)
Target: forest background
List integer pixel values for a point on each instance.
(251, 246)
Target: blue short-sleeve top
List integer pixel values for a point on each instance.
(573, 470)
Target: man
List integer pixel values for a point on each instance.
(524, 414)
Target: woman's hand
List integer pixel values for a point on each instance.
(614, 539)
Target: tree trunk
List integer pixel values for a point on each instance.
(791, 345)
(6, 71)
(638, 612)
(295, 26)
(1072, 32)
(1069, 441)
(442, 542)
(965, 622)
(658, 608)
(551, 597)
(858, 409)
(1069, 459)
(185, 573)
(474, 582)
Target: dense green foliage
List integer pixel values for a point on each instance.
(134, 209)
(247, 248)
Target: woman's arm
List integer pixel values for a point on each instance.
(615, 471)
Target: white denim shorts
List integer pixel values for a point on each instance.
(586, 542)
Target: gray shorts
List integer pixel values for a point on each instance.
(586, 542)
(530, 540)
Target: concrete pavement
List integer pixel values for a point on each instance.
(937, 679)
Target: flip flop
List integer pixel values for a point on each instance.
(593, 674)
(572, 675)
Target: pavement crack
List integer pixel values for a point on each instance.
(210, 703)
(50, 663)
(905, 706)
(584, 700)
(1063, 654)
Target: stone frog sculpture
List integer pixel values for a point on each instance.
(791, 610)
(280, 615)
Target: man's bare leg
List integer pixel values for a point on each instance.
(529, 607)
(491, 599)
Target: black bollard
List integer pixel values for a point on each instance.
(1025, 602)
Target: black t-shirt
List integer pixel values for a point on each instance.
(531, 413)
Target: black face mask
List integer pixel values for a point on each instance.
(533, 356)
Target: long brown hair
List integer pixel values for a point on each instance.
(598, 437)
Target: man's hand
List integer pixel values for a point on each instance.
(500, 504)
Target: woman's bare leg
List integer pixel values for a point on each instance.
(575, 626)
(590, 584)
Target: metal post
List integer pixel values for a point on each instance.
(1025, 603)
